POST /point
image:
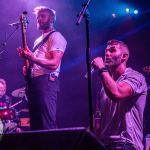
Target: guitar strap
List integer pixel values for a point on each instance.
(42, 42)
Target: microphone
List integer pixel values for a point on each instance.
(92, 71)
(14, 24)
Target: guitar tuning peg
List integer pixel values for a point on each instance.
(25, 12)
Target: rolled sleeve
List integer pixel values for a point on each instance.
(137, 82)
(58, 42)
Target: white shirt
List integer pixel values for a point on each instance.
(55, 42)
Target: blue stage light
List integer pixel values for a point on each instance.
(136, 12)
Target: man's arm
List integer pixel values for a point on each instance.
(115, 90)
(51, 62)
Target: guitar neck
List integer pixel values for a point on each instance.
(24, 39)
(23, 21)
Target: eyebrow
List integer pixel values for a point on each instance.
(112, 47)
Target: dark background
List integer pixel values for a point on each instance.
(134, 30)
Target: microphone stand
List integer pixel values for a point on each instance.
(84, 13)
(3, 45)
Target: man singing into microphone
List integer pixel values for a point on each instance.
(46, 60)
(121, 99)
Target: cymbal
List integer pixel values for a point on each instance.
(18, 92)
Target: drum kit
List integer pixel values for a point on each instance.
(10, 117)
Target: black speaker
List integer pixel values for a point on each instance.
(147, 142)
(56, 139)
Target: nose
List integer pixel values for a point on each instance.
(107, 54)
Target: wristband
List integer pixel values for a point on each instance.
(102, 70)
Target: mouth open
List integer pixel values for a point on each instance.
(107, 60)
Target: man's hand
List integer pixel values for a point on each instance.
(20, 51)
(98, 63)
(26, 53)
(29, 55)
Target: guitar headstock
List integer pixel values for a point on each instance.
(146, 69)
(23, 20)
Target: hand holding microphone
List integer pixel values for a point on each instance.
(97, 65)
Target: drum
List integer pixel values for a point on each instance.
(7, 114)
(24, 122)
(9, 119)
(9, 126)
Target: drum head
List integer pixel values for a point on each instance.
(7, 114)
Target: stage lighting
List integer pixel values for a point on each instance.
(136, 12)
(114, 15)
(127, 10)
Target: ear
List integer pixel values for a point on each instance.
(124, 57)
(52, 18)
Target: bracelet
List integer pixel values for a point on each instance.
(102, 70)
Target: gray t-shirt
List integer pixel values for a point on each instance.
(123, 121)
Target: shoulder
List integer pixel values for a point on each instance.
(133, 73)
(58, 36)
(135, 79)
(56, 41)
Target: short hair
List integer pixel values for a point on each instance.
(51, 12)
(123, 46)
(2, 81)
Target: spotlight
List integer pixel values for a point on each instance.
(127, 10)
(114, 15)
(136, 12)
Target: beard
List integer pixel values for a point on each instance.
(113, 62)
(44, 26)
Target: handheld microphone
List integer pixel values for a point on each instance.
(92, 71)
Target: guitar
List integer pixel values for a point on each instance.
(24, 22)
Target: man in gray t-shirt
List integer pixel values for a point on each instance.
(121, 100)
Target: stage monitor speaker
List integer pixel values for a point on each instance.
(57, 139)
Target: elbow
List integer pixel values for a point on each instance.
(54, 66)
(116, 97)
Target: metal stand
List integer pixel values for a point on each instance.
(3, 45)
(84, 13)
